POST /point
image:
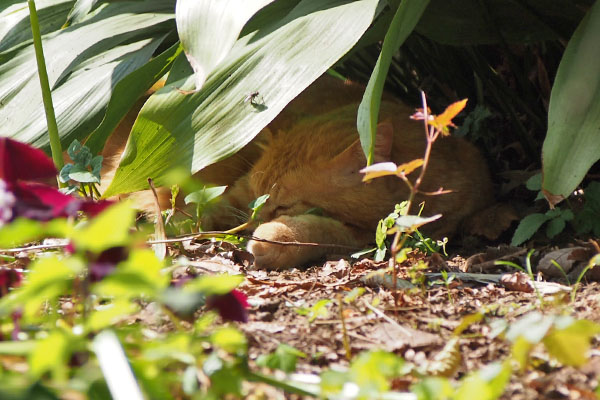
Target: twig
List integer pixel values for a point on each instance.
(207, 234)
(382, 315)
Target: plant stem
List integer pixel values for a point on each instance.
(46, 93)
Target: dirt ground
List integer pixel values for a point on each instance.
(420, 321)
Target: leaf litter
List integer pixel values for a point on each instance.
(301, 308)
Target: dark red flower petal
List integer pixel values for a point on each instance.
(93, 208)
(106, 262)
(24, 162)
(42, 202)
(9, 278)
(231, 306)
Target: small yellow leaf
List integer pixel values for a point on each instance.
(407, 168)
(445, 119)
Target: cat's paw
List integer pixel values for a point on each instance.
(272, 255)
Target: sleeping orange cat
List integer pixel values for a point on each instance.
(309, 157)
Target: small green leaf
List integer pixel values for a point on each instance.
(570, 343)
(204, 195)
(332, 383)
(109, 229)
(64, 173)
(96, 165)
(372, 372)
(527, 227)
(110, 314)
(51, 355)
(73, 149)
(256, 204)
(230, 339)
(555, 226)
(82, 175)
(283, 358)
(353, 295)
(534, 183)
(140, 275)
(409, 223)
(20, 231)
(214, 284)
(381, 234)
(433, 389)
(319, 310)
(48, 279)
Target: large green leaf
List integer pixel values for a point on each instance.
(408, 14)
(15, 27)
(85, 62)
(278, 60)
(127, 91)
(572, 144)
(208, 30)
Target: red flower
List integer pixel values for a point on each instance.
(19, 163)
(231, 306)
(9, 278)
(106, 262)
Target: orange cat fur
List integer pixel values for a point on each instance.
(311, 158)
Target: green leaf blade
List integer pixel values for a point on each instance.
(279, 60)
(572, 143)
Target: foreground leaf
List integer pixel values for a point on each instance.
(572, 144)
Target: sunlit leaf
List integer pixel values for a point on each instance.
(51, 355)
(372, 371)
(379, 170)
(109, 229)
(230, 339)
(204, 195)
(283, 358)
(84, 62)
(140, 275)
(208, 30)
(195, 130)
(214, 284)
(570, 344)
(444, 120)
(109, 314)
(409, 223)
(48, 279)
(572, 143)
(389, 168)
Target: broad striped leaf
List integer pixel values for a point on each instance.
(278, 60)
(572, 144)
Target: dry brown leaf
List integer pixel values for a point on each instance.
(394, 337)
(568, 259)
(517, 281)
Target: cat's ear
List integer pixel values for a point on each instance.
(352, 159)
